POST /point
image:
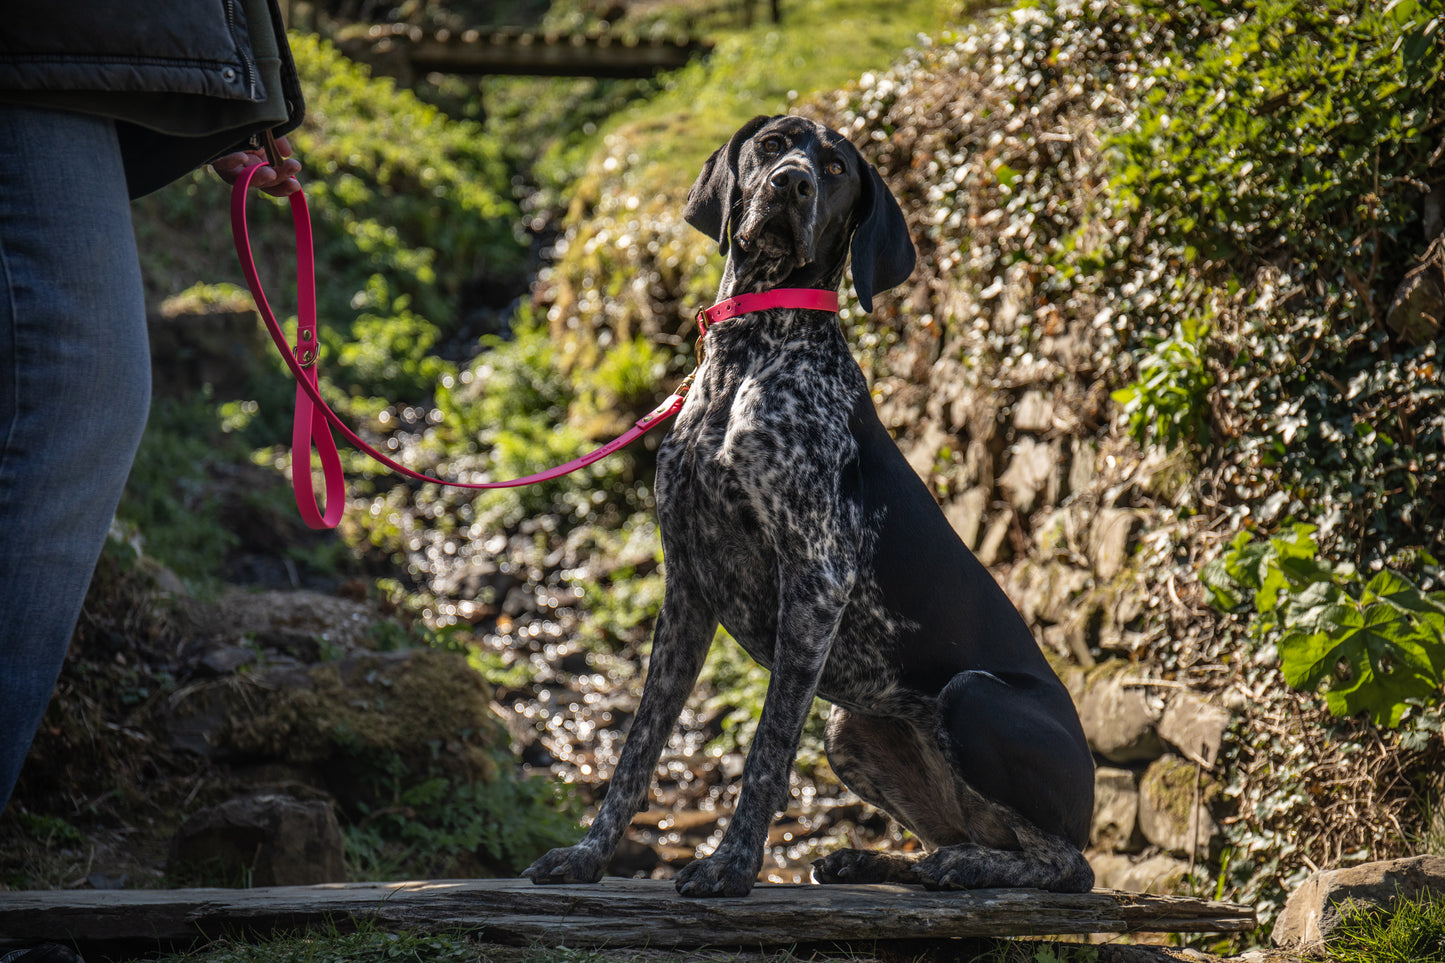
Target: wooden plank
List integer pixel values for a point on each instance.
(615, 912)
(540, 54)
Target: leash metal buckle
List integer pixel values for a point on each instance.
(306, 354)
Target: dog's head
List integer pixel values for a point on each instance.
(794, 194)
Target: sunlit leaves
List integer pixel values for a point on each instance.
(1375, 646)
(1167, 403)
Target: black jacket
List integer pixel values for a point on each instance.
(185, 80)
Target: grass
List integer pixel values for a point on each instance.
(1413, 933)
(367, 945)
(820, 45)
(370, 944)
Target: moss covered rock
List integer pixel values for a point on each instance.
(356, 726)
(1174, 807)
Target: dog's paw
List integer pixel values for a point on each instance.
(715, 876)
(864, 866)
(571, 864)
(958, 867)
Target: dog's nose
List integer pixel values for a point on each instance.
(795, 181)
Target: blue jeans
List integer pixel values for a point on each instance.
(74, 391)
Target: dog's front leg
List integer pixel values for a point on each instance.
(680, 642)
(810, 609)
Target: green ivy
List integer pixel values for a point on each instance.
(1293, 128)
(1377, 646)
(1168, 401)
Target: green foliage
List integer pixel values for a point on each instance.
(441, 825)
(1292, 126)
(1275, 175)
(509, 414)
(366, 944)
(1376, 645)
(740, 686)
(398, 189)
(389, 353)
(1411, 931)
(1168, 401)
(48, 830)
(628, 377)
(820, 45)
(621, 608)
(170, 496)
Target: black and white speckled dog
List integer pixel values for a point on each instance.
(789, 515)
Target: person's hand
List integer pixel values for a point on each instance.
(278, 183)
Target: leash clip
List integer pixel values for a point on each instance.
(273, 150)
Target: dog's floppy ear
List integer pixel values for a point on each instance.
(883, 255)
(715, 192)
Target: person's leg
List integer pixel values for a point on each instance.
(74, 391)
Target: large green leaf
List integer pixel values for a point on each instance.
(1383, 650)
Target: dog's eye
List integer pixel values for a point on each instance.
(835, 167)
(772, 144)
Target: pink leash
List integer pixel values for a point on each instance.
(310, 432)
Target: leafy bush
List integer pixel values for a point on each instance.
(1377, 645)
(1282, 162)
(398, 189)
(170, 496)
(409, 206)
(442, 827)
(1293, 127)
(1168, 402)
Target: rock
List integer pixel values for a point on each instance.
(358, 724)
(224, 659)
(1195, 726)
(965, 514)
(289, 619)
(1159, 875)
(1116, 811)
(994, 548)
(1117, 718)
(1033, 470)
(1046, 591)
(1313, 911)
(1418, 309)
(1082, 453)
(1060, 592)
(269, 840)
(1109, 539)
(923, 454)
(202, 339)
(1034, 412)
(1173, 814)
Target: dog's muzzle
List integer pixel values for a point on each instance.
(784, 205)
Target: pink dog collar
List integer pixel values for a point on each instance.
(812, 299)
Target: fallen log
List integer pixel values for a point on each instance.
(615, 912)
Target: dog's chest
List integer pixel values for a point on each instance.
(759, 451)
(753, 488)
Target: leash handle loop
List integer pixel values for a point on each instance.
(311, 429)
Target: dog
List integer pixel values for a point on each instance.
(789, 516)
